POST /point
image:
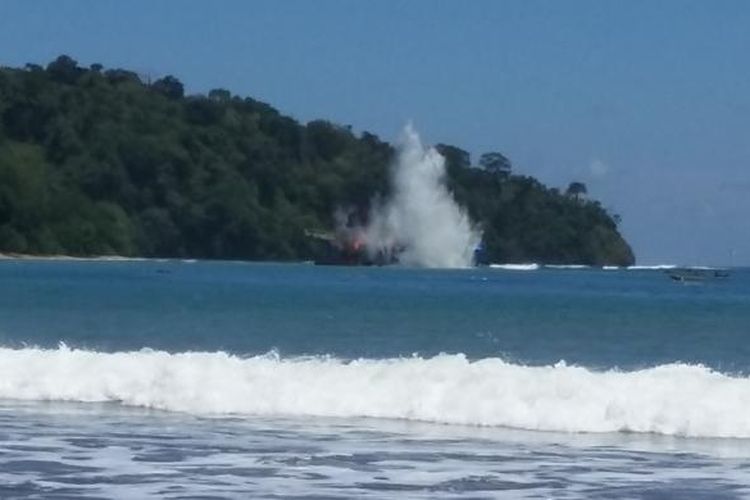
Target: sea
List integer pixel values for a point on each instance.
(177, 379)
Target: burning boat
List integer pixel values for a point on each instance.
(348, 247)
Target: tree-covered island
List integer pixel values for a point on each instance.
(97, 161)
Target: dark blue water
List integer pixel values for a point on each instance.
(593, 318)
(329, 382)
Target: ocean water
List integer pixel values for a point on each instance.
(178, 379)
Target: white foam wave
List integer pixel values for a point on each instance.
(651, 268)
(675, 399)
(566, 266)
(662, 267)
(516, 267)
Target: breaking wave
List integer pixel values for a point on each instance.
(674, 399)
(516, 267)
(657, 267)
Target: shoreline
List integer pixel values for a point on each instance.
(9, 256)
(103, 258)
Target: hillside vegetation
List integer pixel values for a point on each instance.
(100, 162)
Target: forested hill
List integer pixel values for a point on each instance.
(97, 161)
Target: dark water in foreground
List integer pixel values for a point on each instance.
(234, 380)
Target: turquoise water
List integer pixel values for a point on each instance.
(237, 380)
(594, 318)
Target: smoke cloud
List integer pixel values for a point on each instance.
(421, 224)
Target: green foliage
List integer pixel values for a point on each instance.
(576, 189)
(95, 161)
(169, 86)
(496, 163)
(64, 69)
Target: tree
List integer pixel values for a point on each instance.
(576, 190)
(169, 86)
(495, 163)
(203, 111)
(121, 76)
(455, 158)
(327, 139)
(97, 162)
(220, 95)
(64, 69)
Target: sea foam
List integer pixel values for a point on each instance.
(657, 267)
(674, 399)
(516, 267)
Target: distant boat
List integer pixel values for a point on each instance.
(696, 274)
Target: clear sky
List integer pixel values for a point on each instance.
(648, 102)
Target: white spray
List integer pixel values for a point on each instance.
(675, 399)
(421, 224)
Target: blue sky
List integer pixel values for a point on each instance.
(647, 102)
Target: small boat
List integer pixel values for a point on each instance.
(696, 274)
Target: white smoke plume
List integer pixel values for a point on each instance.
(421, 224)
